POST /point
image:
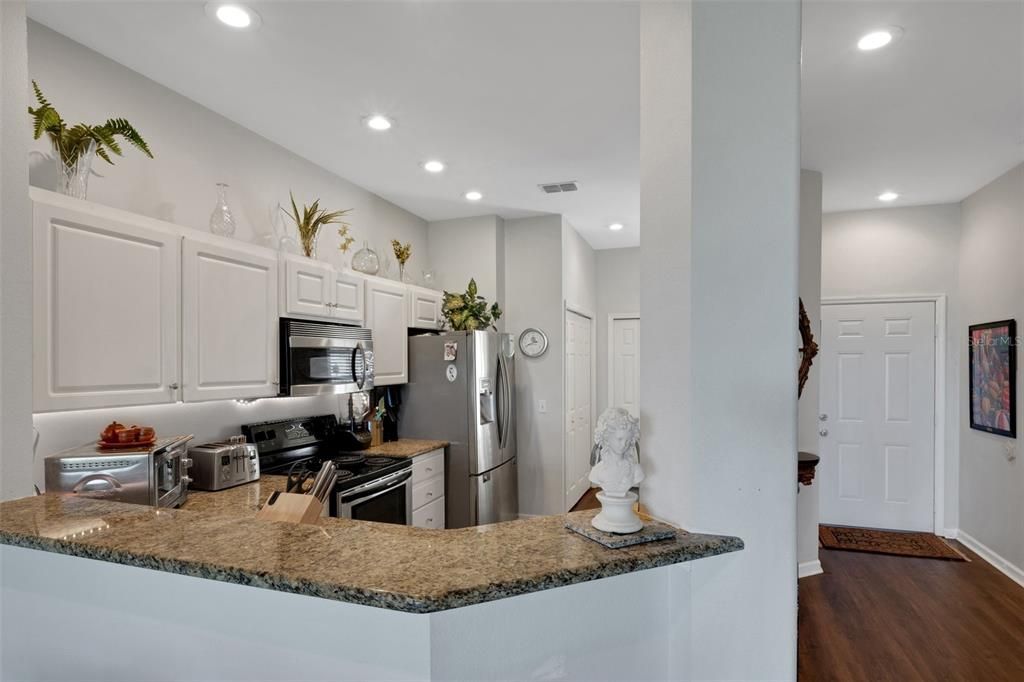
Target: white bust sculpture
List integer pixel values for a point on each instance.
(616, 469)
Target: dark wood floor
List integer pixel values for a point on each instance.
(588, 501)
(875, 617)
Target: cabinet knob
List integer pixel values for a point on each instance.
(174, 386)
(429, 494)
(823, 432)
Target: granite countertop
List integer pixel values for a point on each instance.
(406, 447)
(388, 566)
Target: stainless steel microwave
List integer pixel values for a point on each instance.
(319, 358)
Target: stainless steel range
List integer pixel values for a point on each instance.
(366, 488)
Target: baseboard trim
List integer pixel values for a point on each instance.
(809, 568)
(949, 533)
(1014, 573)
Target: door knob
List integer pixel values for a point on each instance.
(823, 432)
(823, 417)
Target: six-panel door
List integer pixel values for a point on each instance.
(106, 294)
(229, 321)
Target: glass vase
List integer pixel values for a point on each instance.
(221, 220)
(73, 177)
(308, 242)
(366, 261)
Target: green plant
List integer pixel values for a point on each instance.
(469, 311)
(72, 142)
(311, 219)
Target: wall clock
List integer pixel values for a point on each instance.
(533, 342)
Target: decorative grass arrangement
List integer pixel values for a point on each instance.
(72, 142)
(310, 219)
(469, 311)
(402, 251)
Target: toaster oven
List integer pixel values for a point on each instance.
(156, 475)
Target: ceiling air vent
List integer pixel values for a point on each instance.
(556, 187)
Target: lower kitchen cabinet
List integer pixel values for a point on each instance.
(106, 288)
(428, 490)
(229, 321)
(387, 315)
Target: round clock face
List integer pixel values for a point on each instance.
(533, 342)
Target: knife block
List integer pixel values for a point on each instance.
(291, 507)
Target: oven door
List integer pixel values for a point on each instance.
(318, 366)
(385, 500)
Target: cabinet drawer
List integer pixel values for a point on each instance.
(430, 515)
(427, 491)
(428, 466)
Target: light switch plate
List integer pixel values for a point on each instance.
(542, 406)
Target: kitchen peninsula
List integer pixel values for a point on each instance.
(438, 593)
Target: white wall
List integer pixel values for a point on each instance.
(467, 248)
(992, 288)
(15, 258)
(721, 427)
(618, 291)
(900, 251)
(578, 270)
(194, 148)
(807, 431)
(533, 298)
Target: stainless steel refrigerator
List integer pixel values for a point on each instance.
(462, 389)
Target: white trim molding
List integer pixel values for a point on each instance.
(939, 514)
(1011, 571)
(611, 350)
(809, 568)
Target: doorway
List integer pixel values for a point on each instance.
(579, 400)
(623, 362)
(877, 423)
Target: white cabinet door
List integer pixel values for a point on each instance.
(308, 287)
(106, 288)
(424, 308)
(347, 300)
(387, 314)
(229, 321)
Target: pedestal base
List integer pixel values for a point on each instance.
(617, 515)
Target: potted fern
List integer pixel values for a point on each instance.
(76, 146)
(310, 219)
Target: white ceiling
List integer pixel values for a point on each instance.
(509, 95)
(934, 116)
(513, 94)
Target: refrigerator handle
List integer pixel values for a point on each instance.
(504, 395)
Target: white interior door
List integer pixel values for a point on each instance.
(877, 440)
(578, 392)
(625, 358)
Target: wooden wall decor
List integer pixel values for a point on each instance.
(808, 350)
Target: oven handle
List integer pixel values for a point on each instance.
(378, 487)
(358, 352)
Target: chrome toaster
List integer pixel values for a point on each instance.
(224, 464)
(156, 475)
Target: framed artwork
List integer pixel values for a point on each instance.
(992, 356)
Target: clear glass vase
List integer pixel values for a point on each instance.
(221, 220)
(73, 177)
(309, 242)
(366, 261)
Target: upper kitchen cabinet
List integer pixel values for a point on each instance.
(106, 288)
(424, 308)
(314, 289)
(387, 315)
(229, 320)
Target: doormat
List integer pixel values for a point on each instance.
(899, 543)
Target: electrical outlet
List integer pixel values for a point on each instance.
(542, 406)
(1011, 451)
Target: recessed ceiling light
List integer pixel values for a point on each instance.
(888, 196)
(880, 38)
(473, 195)
(433, 166)
(378, 122)
(235, 16)
(615, 227)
